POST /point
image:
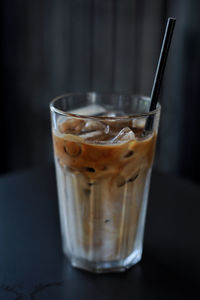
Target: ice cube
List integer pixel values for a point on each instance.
(115, 114)
(139, 122)
(89, 110)
(126, 134)
(62, 119)
(92, 125)
(71, 125)
(90, 135)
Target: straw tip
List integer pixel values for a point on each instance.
(172, 19)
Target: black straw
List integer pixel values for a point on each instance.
(160, 69)
(162, 62)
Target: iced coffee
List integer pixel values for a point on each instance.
(103, 166)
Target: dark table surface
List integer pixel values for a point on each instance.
(33, 267)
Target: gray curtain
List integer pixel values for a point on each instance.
(52, 47)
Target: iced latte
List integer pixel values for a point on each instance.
(103, 166)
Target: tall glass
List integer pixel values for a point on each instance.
(104, 148)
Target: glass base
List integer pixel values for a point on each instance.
(109, 266)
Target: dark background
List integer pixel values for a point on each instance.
(53, 47)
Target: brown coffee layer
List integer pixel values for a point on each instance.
(96, 161)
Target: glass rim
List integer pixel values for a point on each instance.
(69, 114)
